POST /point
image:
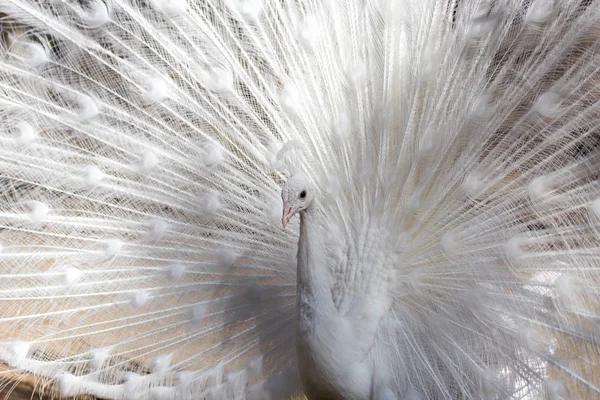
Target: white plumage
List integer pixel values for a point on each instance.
(443, 158)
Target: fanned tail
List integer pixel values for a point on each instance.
(140, 200)
(497, 277)
(144, 143)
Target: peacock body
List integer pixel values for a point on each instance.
(442, 158)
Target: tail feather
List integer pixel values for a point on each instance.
(136, 173)
(143, 149)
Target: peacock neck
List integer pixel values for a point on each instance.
(319, 330)
(314, 289)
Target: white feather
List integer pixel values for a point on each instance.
(449, 150)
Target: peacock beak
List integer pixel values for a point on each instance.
(288, 212)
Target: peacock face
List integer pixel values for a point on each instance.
(296, 196)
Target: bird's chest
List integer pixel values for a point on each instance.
(313, 348)
(314, 359)
(331, 364)
(329, 367)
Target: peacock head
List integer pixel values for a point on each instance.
(297, 195)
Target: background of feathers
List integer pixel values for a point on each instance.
(25, 386)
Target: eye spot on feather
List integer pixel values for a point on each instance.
(111, 247)
(212, 155)
(531, 340)
(538, 188)
(217, 78)
(548, 105)
(210, 203)
(139, 299)
(175, 272)
(483, 109)
(287, 156)
(514, 249)
(482, 21)
(539, 12)
(157, 228)
(93, 175)
(340, 126)
(26, 134)
(449, 243)
(567, 288)
(31, 53)
(226, 257)
(249, 10)
(96, 14)
(38, 211)
(309, 30)
(16, 352)
(71, 276)
(87, 108)
(290, 99)
(147, 162)
(155, 90)
(172, 8)
(480, 28)
(473, 183)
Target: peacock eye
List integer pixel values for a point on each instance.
(303, 194)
